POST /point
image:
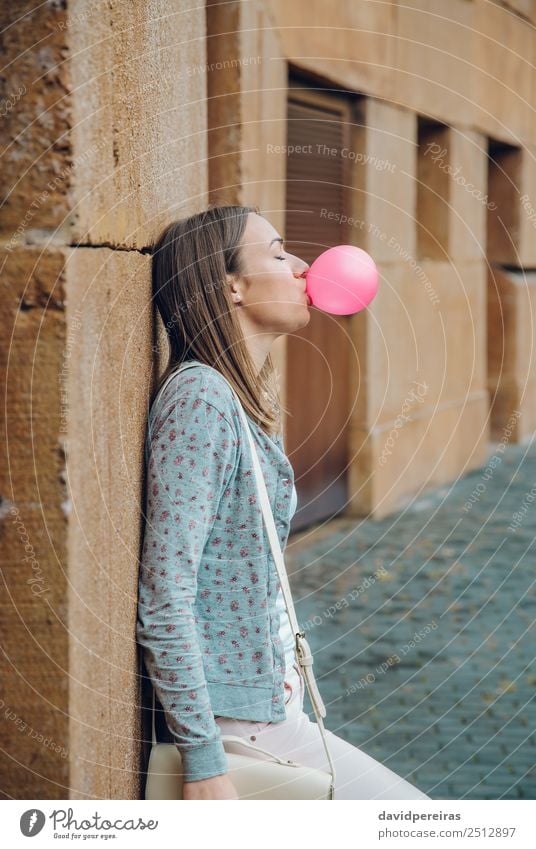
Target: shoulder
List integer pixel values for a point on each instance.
(197, 385)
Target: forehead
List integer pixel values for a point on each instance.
(258, 231)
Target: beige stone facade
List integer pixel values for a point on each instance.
(121, 116)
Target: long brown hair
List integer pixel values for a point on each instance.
(190, 259)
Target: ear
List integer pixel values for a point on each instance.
(234, 284)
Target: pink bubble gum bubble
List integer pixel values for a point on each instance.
(342, 281)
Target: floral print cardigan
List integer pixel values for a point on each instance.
(208, 622)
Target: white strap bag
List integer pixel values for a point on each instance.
(255, 772)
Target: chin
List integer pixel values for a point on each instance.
(300, 318)
(306, 317)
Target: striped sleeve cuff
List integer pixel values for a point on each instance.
(203, 761)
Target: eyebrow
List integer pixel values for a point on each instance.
(277, 239)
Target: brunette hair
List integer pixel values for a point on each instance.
(190, 260)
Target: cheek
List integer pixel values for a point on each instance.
(281, 282)
(273, 285)
(278, 293)
(272, 288)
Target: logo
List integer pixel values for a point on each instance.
(31, 822)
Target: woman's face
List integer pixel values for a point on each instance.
(270, 295)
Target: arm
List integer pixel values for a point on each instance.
(191, 458)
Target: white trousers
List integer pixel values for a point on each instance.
(357, 775)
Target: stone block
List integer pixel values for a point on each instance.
(349, 53)
(501, 61)
(247, 108)
(505, 171)
(464, 319)
(138, 118)
(109, 382)
(527, 406)
(502, 326)
(526, 248)
(34, 131)
(434, 72)
(524, 8)
(512, 190)
(118, 95)
(383, 179)
(425, 340)
(34, 508)
(512, 370)
(452, 193)
(224, 112)
(391, 464)
(468, 194)
(35, 747)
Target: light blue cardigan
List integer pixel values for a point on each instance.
(208, 622)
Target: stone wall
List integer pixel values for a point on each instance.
(107, 143)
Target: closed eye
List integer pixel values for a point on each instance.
(280, 257)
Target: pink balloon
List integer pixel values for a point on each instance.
(342, 281)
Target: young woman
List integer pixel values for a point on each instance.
(212, 622)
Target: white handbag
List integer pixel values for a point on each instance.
(255, 772)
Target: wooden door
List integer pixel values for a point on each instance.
(318, 356)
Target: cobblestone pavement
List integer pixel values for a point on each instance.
(423, 629)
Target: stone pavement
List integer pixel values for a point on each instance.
(423, 629)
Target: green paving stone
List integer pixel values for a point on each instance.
(450, 671)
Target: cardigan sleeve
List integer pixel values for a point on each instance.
(190, 461)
